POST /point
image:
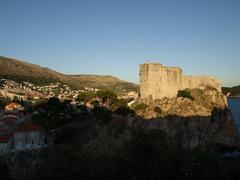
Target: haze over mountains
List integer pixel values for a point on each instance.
(23, 71)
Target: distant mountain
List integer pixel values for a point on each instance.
(22, 71)
(235, 91)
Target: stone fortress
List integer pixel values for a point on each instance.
(160, 81)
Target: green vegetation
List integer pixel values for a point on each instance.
(4, 174)
(235, 91)
(185, 94)
(85, 96)
(4, 101)
(53, 113)
(107, 95)
(39, 81)
(141, 106)
(147, 155)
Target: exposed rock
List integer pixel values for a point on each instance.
(203, 104)
(190, 123)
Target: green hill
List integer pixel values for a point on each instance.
(22, 71)
(234, 91)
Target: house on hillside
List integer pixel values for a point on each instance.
(28, 136)
(13, 107)
(6, 143)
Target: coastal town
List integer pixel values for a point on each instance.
(18, 105)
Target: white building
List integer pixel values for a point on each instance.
(28, 136)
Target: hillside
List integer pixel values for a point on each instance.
(234, 91)
(23, 71)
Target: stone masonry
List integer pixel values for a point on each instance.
(160, 81)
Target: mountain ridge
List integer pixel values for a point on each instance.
(234, 91)
(20, 70)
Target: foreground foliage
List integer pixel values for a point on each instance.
(148, 155)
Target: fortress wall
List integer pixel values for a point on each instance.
(149, 78)
(200, 82)
(170, 83)
(160, 81)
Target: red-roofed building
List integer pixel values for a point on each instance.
(6, 142)
(13, 107)
(29, 135)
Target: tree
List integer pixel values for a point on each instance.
(85, 96)
(16, 100)
(107, 95)
(4, 101)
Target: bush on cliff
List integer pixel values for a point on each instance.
(141, 106)
(185, 94)
(157, 110)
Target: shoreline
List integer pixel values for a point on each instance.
(233, 97)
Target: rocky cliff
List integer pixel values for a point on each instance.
(201, 118)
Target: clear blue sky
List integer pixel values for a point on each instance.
(115, 36)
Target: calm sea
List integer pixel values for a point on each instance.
(234, 104)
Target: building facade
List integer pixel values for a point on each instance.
(28, 136)
(6, 143)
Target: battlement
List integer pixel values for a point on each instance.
(150, 67)
(161, 81)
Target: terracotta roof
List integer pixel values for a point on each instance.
(13, 105)
(29, 127)
(5, 138)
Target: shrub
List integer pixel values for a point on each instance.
(4, 101)
(85, 96)
(119, 103)
(157, 110)
(185, 94)
(124, 111)
(107, 95)
(141, 106)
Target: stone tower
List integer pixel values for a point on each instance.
(160, 81)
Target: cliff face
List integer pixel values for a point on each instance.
(191, 132)
(188, 123)
(203, 119)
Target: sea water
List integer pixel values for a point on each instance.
(234, 104)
